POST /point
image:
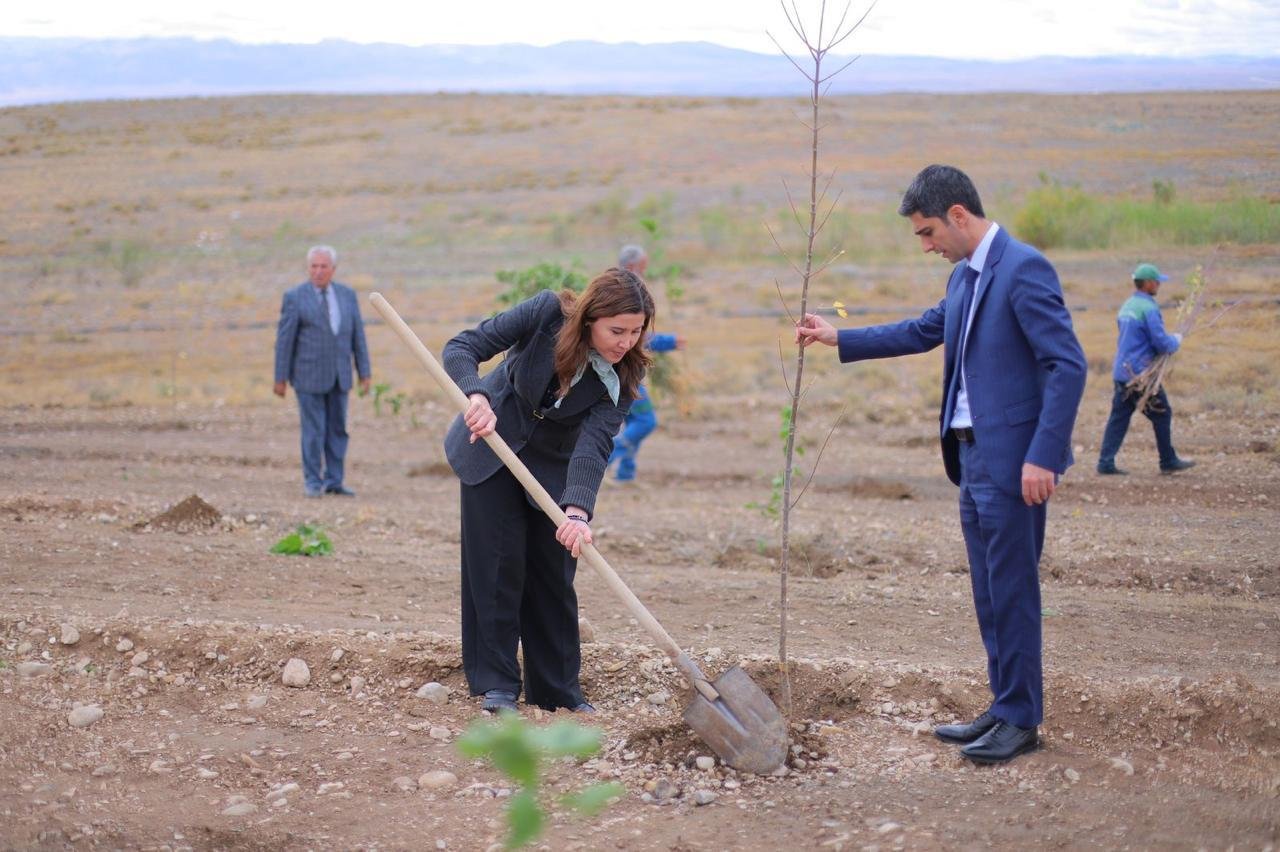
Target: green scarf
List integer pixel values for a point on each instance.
(608, 376)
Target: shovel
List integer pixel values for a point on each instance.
(731, 714)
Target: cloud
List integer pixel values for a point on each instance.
(979, 29)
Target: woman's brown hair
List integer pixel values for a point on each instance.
(612, 292)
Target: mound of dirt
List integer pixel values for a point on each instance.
(191, 514)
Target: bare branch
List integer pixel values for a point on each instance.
(785, 306)
(821, 450)
(789, 59)
(797, 24)
(843, 15)
(1207, 323)
(804, 390)
(826, 186)
(835, 201)
(841, 68)
(783, 251)
(792, 202)
(782, 362)
(852, 29)
(835, 254)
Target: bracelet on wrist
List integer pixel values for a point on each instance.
(577, 518)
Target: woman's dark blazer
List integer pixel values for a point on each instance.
(566, 448)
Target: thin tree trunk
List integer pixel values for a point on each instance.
(817, 50)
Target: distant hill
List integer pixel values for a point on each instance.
(34, 70)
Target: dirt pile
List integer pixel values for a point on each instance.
(191, 514)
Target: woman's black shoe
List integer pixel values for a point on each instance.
(499, 699)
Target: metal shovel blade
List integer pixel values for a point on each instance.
(743, 726)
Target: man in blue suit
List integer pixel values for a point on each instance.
(1013, 375)
(319, 335)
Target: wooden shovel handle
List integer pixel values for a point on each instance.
(682, 660)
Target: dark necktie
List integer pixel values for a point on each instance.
(966, 300)
(328, 314)
(970, 285)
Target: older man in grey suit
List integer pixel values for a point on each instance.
(319, 335)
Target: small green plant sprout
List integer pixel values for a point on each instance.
(520, 750)
(396, 401)
(306, 540)
(526, 283)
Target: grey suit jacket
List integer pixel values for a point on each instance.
(308, 354)
(566, 448)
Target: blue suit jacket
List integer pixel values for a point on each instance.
(1024, 368)
(308, 354)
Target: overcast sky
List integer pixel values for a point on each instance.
(977, 29)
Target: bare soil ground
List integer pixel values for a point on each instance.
(1163, 691)
(145, 471)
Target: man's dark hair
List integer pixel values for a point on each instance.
(936, 189)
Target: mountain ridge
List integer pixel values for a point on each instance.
(38, 70)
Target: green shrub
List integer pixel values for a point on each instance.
(1163, 191)
(1055, 215)
(525, 283)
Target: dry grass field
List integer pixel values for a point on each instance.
(144, 251)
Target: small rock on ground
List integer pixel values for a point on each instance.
(437, 779)
(296, 673)
(665, 789)
(436, 693)
(83, 717)
(240, 809)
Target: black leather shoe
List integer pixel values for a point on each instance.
(1111, 470)
(340, 491)
(962, 734)
(1178, 464)
(499, 699)
(1002, 743)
